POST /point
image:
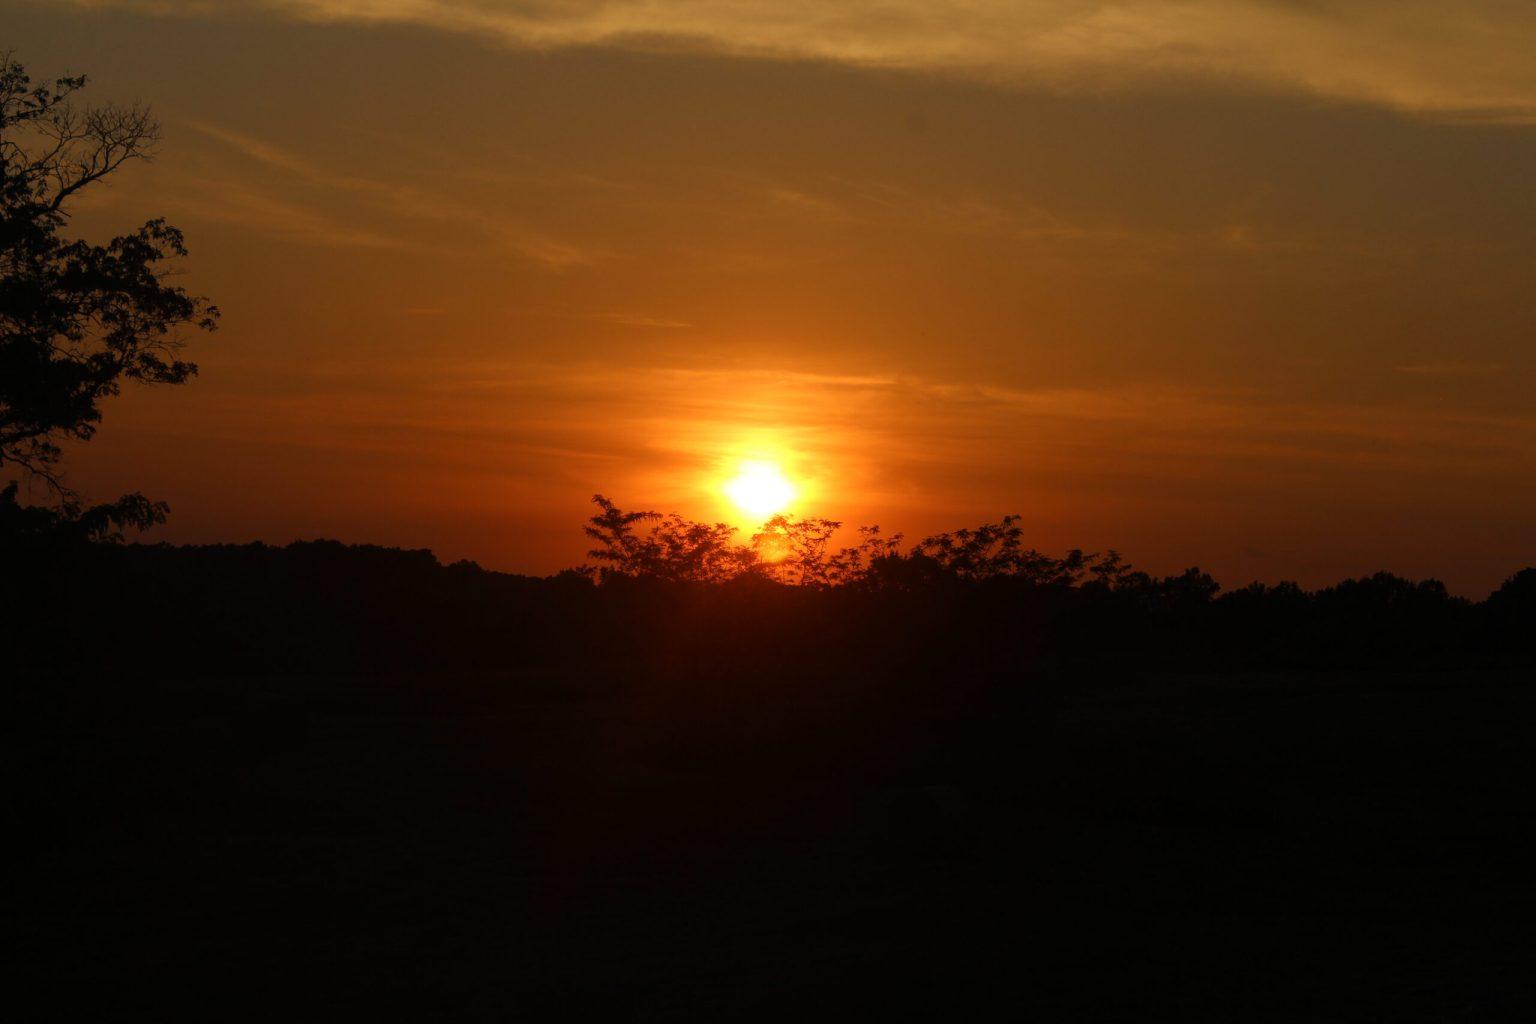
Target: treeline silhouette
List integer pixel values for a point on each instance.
(893, 780)
(666, 593)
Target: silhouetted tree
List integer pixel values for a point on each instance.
(798, 552)
(992, 549)
(909, 573)
(620, 549)
(77, 319)
(794, 551)
(995, 550)
(1108, 571)
(1510, 613)
(1516, 596)
(33, 525)
(852, 565)
(675, 549)
(1190, 588)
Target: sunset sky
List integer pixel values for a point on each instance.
(1248, 284)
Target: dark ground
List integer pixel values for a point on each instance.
(1303, 847)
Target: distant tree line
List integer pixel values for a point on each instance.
(666, 595)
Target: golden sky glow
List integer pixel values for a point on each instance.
(1244, 283)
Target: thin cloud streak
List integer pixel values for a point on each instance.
(247, 205)
(1467, 60)
(687, 413)
(227, 202)
(637, 320)
(1449, 369)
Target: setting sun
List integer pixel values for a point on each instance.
(760, 489)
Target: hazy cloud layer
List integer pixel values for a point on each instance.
(860, 441)
(1466, 59)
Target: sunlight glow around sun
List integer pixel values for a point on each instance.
(760, 489)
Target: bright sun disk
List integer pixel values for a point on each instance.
(760, 489)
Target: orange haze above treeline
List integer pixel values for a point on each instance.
(1271, 316)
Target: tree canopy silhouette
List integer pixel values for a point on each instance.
(674, 549)
(799, 552)
(76, 318)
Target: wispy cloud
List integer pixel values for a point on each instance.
(554, 253)
(1449, 368)
(261, 152)
(227, 202)
(858, 421)
(396, 202)
(638, 320)
(1467, 59)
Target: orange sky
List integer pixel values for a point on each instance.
(1245, 284)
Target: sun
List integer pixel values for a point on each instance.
(760, 489)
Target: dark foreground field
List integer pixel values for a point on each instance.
(1282, 847)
